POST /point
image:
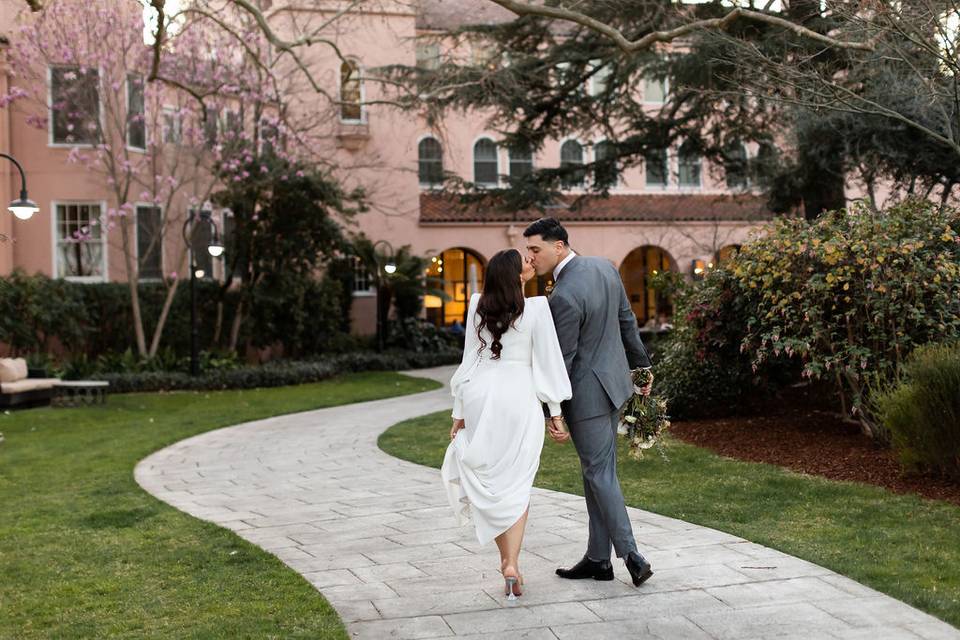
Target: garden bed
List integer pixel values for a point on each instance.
(799, 433)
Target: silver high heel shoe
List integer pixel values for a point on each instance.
(511, 582)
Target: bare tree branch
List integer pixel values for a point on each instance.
(647, 41)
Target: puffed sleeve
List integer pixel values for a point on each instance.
(471, 344)
(550, 377)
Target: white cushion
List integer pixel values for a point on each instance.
(9, 372)
(28, 384)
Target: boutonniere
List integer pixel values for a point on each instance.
(548, 289)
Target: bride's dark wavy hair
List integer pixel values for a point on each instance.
(502, 300)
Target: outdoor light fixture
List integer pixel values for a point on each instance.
(390, 267)
(215, 249)
(23, 207)
(699, 269)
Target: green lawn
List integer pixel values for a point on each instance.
(903, 546)
(86, 553)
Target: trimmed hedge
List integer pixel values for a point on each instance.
(279, 373)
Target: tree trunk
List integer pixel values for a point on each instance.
(162, 320)
(133, 280)
(235, 326)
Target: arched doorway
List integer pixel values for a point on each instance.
(459, 273)
(637, 270)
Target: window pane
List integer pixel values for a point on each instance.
(654, 90)
(601, 79)
(75, 105)
(485, 163)
(350, 94)
(735, 166)
(149, 242)
(689, 166)
(655, 163)
(171, 127)
(605, 174)
(79, 241)
(211, 126)
(571, 153)
(521, 162)
(136, 124)
(431, 162)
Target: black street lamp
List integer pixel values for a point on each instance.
(388, 267)
(23, 207)
(215, 249)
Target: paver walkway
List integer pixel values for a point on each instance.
(375, 536)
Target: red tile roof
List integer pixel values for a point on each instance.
(444, 208)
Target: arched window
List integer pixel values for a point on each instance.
(735, 166)
(521, 162)
(637, 272)
(485, 166)
(458, 272)
(571, 154)
(606, 171)
(688, 160)
(351, 92)
(430, 155)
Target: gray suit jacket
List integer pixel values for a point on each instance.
(598, 336)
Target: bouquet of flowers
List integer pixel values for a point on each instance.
(644, 419)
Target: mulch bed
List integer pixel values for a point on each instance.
(799, 433)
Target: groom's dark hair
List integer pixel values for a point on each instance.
(549, 229)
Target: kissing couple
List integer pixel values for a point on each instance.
(572, 351)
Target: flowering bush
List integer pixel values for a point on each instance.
(848, 296)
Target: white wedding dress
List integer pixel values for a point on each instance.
(490, 465)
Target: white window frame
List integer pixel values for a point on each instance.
(666, 92)
(668, 168)
(426, 186)
(620, 181)
(146, 129)
(55, 236)
(363, 93)
(70, 145)
(371, 289)
(473, 161)
(593, 84)
(136, 244)
(689, 187)
(533, 162)
(178, 122)
(585, 160)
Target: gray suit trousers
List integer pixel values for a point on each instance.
(596, 442)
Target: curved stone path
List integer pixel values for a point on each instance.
(376, 538)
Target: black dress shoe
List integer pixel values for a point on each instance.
(588, 568)
(639, 569)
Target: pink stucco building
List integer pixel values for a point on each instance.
(681, 216)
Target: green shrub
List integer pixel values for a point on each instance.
(277, 373)
(922, 414)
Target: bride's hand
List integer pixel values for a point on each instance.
(556, 430)
(457, 425)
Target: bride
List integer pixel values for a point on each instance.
(512, 363)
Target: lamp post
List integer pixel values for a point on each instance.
(389, 267)
(215, 249)
(23, 207)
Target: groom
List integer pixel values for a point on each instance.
(600, 343)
